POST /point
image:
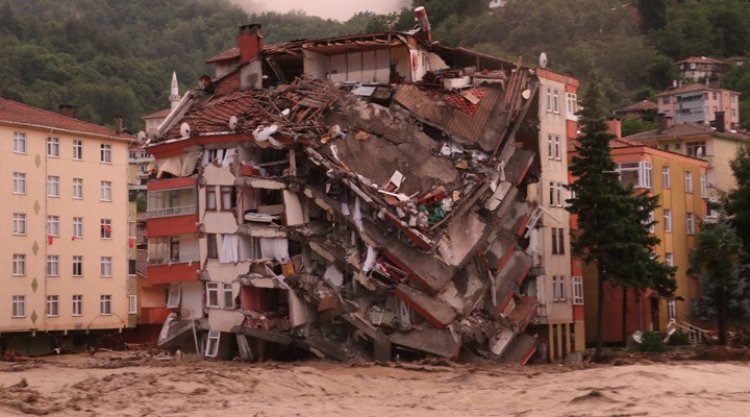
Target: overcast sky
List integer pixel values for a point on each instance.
(335, 9)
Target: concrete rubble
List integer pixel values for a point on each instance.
(372, 220)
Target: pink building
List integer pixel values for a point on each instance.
(698, 68)
(698, 103)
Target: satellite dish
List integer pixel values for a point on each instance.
(233, 122)
(526, 94)
(185, 130)
(638, 337)
(543, 61)
(141, 137)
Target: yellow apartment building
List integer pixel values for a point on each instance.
(64, 227)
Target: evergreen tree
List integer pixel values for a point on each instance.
(738, 204)
(613, 222)
(724, 283)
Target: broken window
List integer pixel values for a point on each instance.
(173, 296)
(212, 343)
(212, 250)
(212, 294)
(210, 197)
(228, 297)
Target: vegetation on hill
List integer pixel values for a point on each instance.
(116, 57)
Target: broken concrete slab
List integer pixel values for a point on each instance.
(432, 309)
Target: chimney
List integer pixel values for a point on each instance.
(662, 123)
(66, 110)
(250, 41)
(118, 124)
(615, 128)
(424, 24)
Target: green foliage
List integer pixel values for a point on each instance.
(633, 126)
(679, 338)
(653, 14)
(651, 342)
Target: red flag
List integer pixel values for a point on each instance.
(131, 242)
(50, 239)
(74, 238)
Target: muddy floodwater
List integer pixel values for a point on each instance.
(126, 384)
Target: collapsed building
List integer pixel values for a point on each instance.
(355, 197)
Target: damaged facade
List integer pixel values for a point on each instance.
(362, 197)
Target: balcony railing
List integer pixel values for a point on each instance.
(167, 261)
(171, 211)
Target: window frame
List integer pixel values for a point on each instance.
(227, 291)
(671, 310)
(105, 266)
(577, 282)
(78, 227)
(105, 229)
(212, 288)
(18, 268)
(77, 266)
(77, 302)
(53, 266)
(18, 305)
(667, 220)
(230, 191)
(213, 340)
(78, 186)
(666, 177)
(53, 225)
(211, 191)
(689, 182)
(132, 304)
(52, 303)
(53, 147)
(105, 191)
(19, 183)
(690, 224)
(19, 224)
(77, 150)
(105, 300)
(105, 153)
(19, 141)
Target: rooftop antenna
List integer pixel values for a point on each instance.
(543, 61)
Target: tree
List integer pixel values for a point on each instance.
(724, 283)
(738, 202)
(613, 222)
(653, 14)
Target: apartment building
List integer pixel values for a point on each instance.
(700, 104)
(560, 311)
(701, 68)
(65, 229)
(383, 193)
(680, 182)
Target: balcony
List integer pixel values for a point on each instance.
(155, 213)
(171, 273)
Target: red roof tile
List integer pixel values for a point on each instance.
(687, 129)
(227, 55)
(641, 105)
(690, 88)
(14, 112)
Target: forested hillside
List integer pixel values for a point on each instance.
(109, 57)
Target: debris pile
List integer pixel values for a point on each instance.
(371, 219)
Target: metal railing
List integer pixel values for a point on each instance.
(154, 213)
(696, 335)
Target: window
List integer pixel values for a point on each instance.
(105, 229)
(556, 194)
(53, 147)
(733, 112)
(637, 174)
(19, 224)
(19, 306)
(212, 294)
(690, 224)
(733, 98)
(549, 99)
(53, 265)
(106, 191)
(212, 343)
(556, 101)
(173, 296)
(228, 198)
(19, 264)
(77, 150)
(77, 228)
(704, 186)
(106, 266)
(558, 288)
(77, 188)
(696, 149)
(228, 297)
(53, 226)
(671, 310)
(558, 241)
(557, 147)
(715, 96)
(666, 180)
(19, 142)
(132, 304)
(19, 183)
(665, 100)
(550, 147)
(210, 197)
(105, 153)
(53, 306)
(571, 105)
(105, 305)
(77, 265)
(689, 182)
(212, 251)
(667, 220)
(651, 222)
(669, 259)
(53, 186)
(131, 266)
(578, 291)
(78, 305)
